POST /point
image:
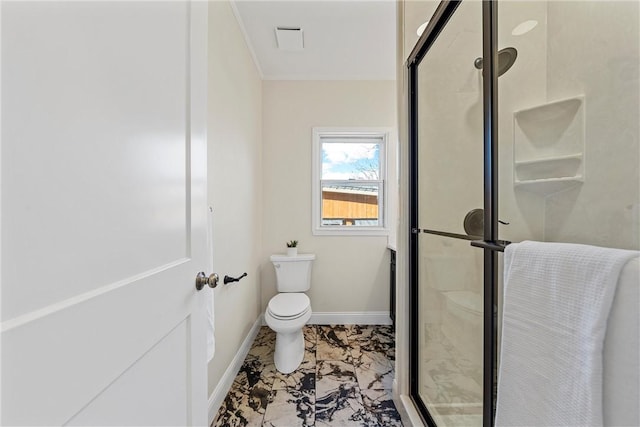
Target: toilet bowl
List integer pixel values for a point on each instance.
(286, 314)
(289, 310)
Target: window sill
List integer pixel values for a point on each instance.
(363, 232)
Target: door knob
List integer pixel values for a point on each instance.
(202, 280)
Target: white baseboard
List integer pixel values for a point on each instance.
(221, 390)
(350, 318)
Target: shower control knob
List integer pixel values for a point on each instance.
(202, 280)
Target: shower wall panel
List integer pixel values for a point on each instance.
(586, 51)
(524, 85)
(594, 49)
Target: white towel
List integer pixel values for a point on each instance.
(557, 297)
(211, 341)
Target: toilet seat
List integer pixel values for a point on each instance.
(289, 306)
(275, 316)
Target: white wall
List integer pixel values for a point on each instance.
(523, 86)
(594, 49)
(350, 274)
(235, 175)
(564, 58)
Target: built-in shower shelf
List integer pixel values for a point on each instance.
(552, 111)
(567, 166)
(547, 186)
(549, 146)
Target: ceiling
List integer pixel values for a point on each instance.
(343, 39)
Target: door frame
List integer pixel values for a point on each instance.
(490, 243)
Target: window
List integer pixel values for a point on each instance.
(349, 176)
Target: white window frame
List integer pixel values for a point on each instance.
(319, 133)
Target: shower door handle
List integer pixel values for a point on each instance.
(498, 245)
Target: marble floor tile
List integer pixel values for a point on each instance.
(357, 334)
(310, 344)
(460, 420)
(247, 400)
(444, 383)
(331, 373)
(341, 406)
(457, 409)
(291, 408)
(379, 404)
(329, 388)
(310, 335)
(385, 333)
(455, 354)
(374, 371)
(470, 368)
(263, 346)
(438, 347)
(391, 354)
(433, 332)
(256, 372)
(338, 398)
(302, 379)
(242, 408)
(360, 351)
(378, 339)
(332, 343)
(435, 350)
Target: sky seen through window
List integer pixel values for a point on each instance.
(350, 161)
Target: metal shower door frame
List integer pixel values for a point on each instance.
(490, 243)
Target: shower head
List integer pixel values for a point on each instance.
(506, 58)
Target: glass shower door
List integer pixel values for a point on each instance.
(563, 131)
(449, 201)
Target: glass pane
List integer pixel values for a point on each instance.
(451, 330)
(450, 189)
(450, 127)
(351, 160)
(353, 204)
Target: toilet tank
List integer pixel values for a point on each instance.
(293, 273)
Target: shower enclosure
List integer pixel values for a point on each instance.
(523, 125)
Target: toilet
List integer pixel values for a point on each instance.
(290, 310)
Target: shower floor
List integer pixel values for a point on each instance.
(451, 384)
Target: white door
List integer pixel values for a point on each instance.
(103, 212)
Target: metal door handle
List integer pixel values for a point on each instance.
(202, 280)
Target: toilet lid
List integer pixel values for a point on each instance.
(289, 304)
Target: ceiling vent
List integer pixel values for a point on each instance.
(289, 38)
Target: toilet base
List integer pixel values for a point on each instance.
(289, 341)
(289, 351)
